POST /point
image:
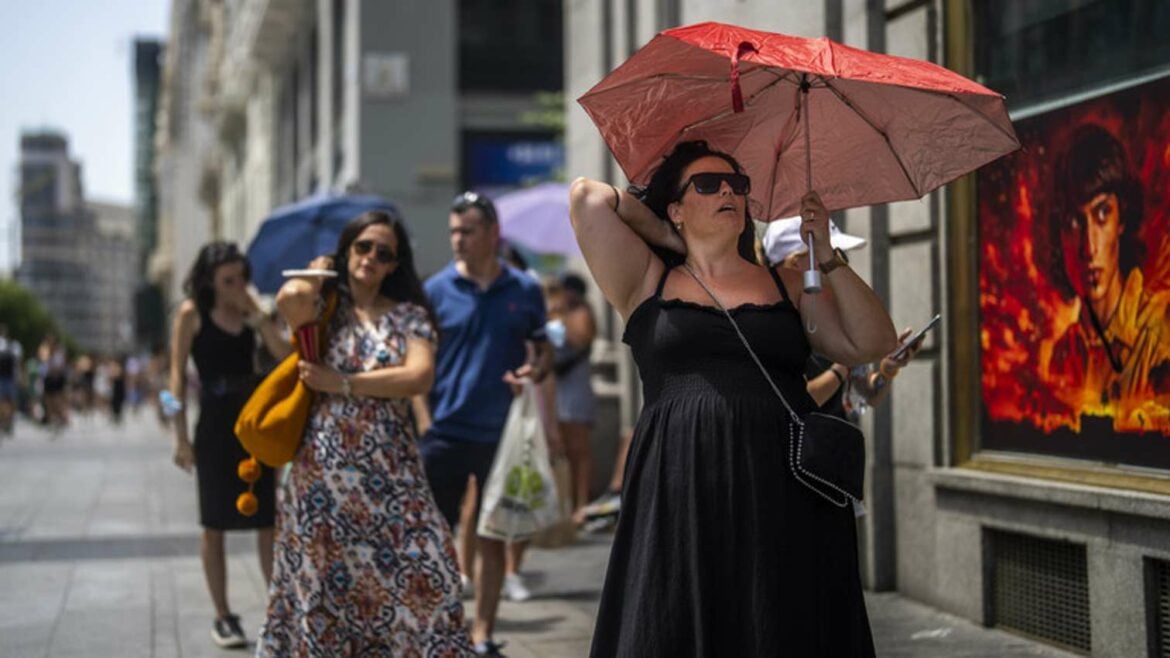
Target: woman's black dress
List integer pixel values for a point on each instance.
(719, 550)
(226, 367)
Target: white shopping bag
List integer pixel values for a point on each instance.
(520, 495)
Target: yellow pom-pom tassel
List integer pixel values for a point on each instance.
(247, 504)
(249, 470)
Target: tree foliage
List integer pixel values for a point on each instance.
(27, 320)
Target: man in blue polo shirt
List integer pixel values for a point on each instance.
(489, 314)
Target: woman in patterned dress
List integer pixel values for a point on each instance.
(365, 564)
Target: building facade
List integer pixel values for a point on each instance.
(306, 97)
(991, 494)
(54, 231)
(184, 137)
(113, 262)
(77, 258)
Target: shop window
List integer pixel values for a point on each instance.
(510, 46)
(1042, 49)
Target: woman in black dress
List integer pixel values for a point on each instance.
(719, 550)
(216, 325)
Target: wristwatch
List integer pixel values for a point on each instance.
(835, 262)
(346, 386)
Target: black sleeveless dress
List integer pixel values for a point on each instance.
(226, 367)
(719, 551)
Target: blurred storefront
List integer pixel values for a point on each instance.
(1019, 476)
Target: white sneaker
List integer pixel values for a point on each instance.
(514, 589)
(466, 587)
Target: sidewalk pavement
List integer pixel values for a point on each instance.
(99, 556)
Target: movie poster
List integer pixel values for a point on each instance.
(1074, 283)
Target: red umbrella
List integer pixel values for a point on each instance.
(799, 114)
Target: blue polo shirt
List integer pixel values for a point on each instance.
(482, 335)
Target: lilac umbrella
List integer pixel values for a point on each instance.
(537, 218)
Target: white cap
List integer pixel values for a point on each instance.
(783, 238)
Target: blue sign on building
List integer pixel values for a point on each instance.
(494, 161)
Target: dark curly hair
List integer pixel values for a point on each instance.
(200, 282)
(663, 190)
(403, 285)
(1095, 163)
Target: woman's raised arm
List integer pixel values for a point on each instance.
(614, 230)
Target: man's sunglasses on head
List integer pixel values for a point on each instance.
(474, 200)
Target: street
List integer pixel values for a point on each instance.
(99, 556)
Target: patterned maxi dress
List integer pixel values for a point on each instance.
(364, 563)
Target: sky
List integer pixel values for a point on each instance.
(68, 65)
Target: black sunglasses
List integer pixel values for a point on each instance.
(381, 252)
(709, 183)
(475, 200)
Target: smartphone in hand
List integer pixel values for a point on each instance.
(898, 353)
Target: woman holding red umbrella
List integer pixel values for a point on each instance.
(719, 551)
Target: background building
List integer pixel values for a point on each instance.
(78, 259)
(1070, 549)
(113, 263)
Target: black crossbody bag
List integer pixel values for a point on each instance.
(825, 453)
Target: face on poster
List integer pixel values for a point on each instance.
(1074, 283)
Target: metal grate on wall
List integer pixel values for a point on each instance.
(1158, 606)
(1040, 588)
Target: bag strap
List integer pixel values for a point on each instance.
(794, 446)
(775, 389)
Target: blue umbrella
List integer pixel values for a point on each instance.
(295, 234)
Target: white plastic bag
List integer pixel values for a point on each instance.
(520, 496)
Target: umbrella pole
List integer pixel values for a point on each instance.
(812, 276)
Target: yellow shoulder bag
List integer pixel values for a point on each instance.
(273, 419)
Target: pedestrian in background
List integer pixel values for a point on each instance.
(838, 389)
(514, 587)
(156, 380)
(135, 384)
(488, 315)
(87, 389)
(54, 383)
(116, 372)
(365, 565)
(576, 403)
(11, 365)
(33, 404)
(216, 325)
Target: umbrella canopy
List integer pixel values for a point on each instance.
(858, 127)
(538, 219)
(295, 234)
